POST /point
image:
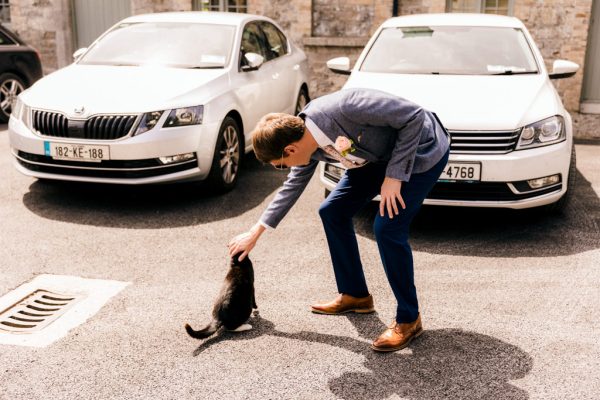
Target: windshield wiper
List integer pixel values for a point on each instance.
(511, 72)
(207, 67)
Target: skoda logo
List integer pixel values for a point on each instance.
(79, 110)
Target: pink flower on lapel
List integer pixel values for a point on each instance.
(343, 145)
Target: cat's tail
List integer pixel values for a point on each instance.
(204, 332)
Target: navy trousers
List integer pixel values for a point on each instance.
(357, 187)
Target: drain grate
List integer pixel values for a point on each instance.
(45, 309)
(36, 311)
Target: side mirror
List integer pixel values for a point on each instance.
(79, 53)
(563, 69)
(339, 65)
(253, 61)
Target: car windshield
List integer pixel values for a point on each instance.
(460, 50)
(180, 45)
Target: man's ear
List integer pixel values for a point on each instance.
(290, 148)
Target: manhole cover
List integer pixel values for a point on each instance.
(45, 309)
(36, 311)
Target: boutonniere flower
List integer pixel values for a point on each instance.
(344, 145)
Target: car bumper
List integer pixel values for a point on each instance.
(503, 179)
(133, 159)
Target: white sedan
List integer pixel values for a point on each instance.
(159, 98)
(512, 139)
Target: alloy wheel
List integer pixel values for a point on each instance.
(229, 154)
(9, 90)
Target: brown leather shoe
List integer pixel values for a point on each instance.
(345, 303)
(398, 336)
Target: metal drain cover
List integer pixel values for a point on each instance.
(36, 311)
(44, 309)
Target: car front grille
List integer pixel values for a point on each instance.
(99, 127)
(483, 142)
(121, 169)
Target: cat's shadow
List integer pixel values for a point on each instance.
(441, 363)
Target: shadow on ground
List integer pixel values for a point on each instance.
(152, 206)
(442, 363)
(483, 232)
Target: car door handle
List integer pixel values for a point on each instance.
(275, 75)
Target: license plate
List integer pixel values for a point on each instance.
(77, 152)
(457, 171)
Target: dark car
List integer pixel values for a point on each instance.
(20, 67)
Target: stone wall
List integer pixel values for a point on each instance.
(46, 25)
(294, 16)
(152, 6)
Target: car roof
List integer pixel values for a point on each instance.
(454, 19)
(209, 17)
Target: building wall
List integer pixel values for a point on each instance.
(46, 25)
(151, 6)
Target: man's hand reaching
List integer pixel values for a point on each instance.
(245, 242)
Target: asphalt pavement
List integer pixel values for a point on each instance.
(509, 299)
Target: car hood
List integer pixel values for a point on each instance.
(467, 102)
(121, 89)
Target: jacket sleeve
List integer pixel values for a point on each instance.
(292, 188)
(374, 108)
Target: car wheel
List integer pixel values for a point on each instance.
(563, 202)
(302, 100)
(10, 87)
(228, 154)
(327, 193)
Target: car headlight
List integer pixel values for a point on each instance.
(148, 121)
(547, 131)
(184, 116)
(17, 108)
(26, 115)
(22, 112)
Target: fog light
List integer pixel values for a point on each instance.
(334, 170)
(543, 182)
(177, 158)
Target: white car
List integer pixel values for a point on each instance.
(159, 98)
(512, 139)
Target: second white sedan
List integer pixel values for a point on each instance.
(512, 138)
(159, 98)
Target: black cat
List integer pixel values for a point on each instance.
(235, 302)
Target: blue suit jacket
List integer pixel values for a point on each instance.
(384, 128)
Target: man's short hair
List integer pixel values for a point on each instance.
(273, 133)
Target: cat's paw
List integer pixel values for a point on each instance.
(242, 328)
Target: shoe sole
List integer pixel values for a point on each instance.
(356, 310)
(391, 349)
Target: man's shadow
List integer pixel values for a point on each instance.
(441, 363)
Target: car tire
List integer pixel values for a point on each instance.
(302, 100)
(560, 206)
(327, 193)
(10, 87)
(227, 158)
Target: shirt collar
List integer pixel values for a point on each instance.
(316, 132)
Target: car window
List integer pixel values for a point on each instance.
(4, 40)
(253, 41)
(276, 42)
(468, 50)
